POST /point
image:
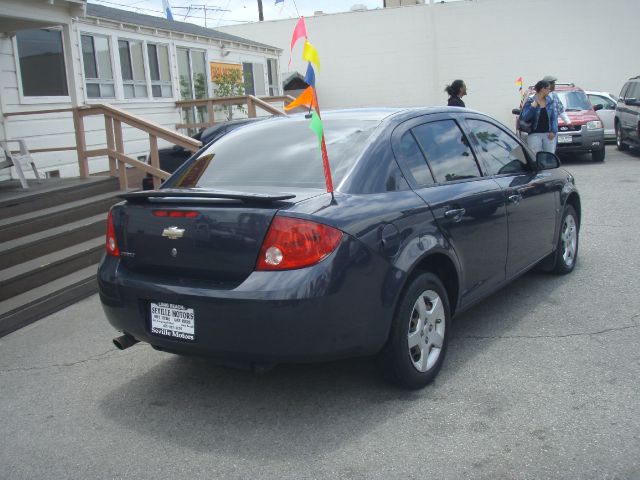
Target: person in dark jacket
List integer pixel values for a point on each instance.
(542, 112)
(456, 91)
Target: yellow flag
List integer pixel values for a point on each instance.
(310, 54)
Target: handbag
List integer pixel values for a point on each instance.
(525, 126)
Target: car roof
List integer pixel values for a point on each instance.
(597, 92)
(382, 113)
(567, 88)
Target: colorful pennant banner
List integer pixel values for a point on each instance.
(309, 97)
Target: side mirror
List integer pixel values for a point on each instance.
(547, 161)
(630, 101)
(516, 111)
(598, 106)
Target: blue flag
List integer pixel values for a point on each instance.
(167, 9)
(279, 1)
(310, 76)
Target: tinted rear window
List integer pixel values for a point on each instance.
(281, 152)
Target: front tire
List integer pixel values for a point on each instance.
(598, 155)
(619, 140)
(417, 342)
(567, 249)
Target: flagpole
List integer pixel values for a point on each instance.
(325, 156)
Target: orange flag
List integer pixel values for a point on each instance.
(305, 99)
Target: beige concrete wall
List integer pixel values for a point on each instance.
(404, 56)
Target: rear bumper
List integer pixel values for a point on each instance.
(581, 141)
(340, 308)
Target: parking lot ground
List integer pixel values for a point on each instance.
(542, 380)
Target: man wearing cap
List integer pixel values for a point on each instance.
(553, 96)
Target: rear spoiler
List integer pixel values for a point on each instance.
(196, 194)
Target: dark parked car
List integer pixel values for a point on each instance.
(172, 157)
(244, 257)
(627, 121)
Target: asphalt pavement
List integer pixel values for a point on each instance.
(541, 381)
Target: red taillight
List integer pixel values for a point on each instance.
(293, 243)
(176, 213)
(112, 243)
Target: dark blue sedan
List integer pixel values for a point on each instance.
(243, 256)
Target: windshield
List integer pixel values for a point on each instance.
(277, 153)
(574, 101)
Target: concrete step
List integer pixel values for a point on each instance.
(51, 192)
(39, 220)
(22, 249)
(29, 306)
(47, 268)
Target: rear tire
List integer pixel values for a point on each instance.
(567, 249)
(598, 155)
(619, 140)
(419, 333)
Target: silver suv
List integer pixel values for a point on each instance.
(627, 121)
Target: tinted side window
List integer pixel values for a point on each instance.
(410, 156)
(623, 92)
(447, 151)
(502, 153)
(634, 90)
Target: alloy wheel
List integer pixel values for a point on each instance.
(569, 235)
(426, 330)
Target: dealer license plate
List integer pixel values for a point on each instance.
(565, 138)
(173, 321)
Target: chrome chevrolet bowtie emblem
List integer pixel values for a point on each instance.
(173, 233)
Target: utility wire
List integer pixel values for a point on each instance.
(161, 13)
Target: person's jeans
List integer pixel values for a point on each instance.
(539, 142)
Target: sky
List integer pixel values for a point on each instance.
(232, 12)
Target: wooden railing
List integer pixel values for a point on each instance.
(115, 117)
(252, 102)
(114, 151)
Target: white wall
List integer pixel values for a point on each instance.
(405, 56)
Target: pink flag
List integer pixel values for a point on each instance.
(300, 31)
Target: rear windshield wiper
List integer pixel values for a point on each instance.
(195, 194)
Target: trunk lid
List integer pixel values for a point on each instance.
(195, 234)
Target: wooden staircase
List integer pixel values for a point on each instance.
(51, 240)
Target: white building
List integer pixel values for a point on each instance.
(63, 53)
(405, 56)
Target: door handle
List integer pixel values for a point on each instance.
(455, 214)
(515, 199)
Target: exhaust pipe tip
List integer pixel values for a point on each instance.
(124, 341)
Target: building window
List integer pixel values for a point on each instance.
(96, 57)
(253, 74)
(272, 74)
(159, 72)
(192, 75)
(41, 58)
(132, 67)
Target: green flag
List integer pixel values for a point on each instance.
(316, 126)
